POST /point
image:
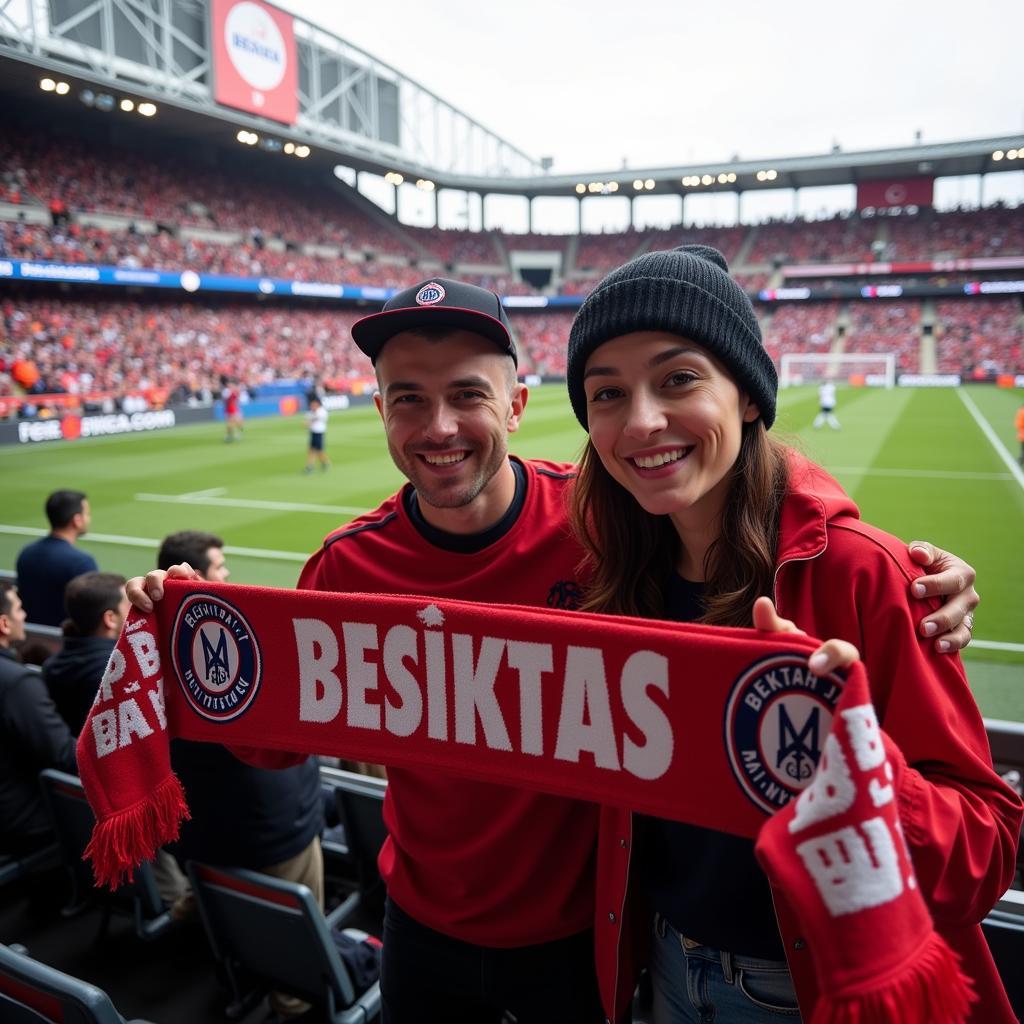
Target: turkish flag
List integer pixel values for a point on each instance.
(895, 192)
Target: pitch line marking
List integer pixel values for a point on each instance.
(936, 474)
(993, 439)
(210, 492)
(274, 506)
(153, 545)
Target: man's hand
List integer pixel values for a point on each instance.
(143, 591)
(952, 578)
(830, 655)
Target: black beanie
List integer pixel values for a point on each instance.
(685, 291)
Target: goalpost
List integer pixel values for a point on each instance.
(871, 369)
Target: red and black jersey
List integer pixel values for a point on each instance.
(486, 864)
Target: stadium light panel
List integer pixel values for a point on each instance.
(1012, 154)
(47, 84)
(638, 184)
(581, 188)
(707, 180)
(62, 88)
(613, 186)
(289, 147)
(649, 184)
(302, 152)
(127, 105)
(147, 109)
(723, 178)
(998, 155)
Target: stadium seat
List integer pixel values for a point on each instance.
(273, 930)
(360, 803)
(73, 821)
(14, 868)
(33, 993)
(1004, 931)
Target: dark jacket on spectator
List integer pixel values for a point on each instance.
(32, 737)
(244, 816)
(73, 675)
(44, 568)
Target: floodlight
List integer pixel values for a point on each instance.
(127, 105)
(302, 152)
(649, 184)
(62, 88)
(1011, 154)
(706, 179)
(289, 147)
(998, 155)
(47, 84)
(147, 109)
(638, 184)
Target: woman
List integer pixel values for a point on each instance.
(691, 511)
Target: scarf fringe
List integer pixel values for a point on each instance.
(932, 990)
(128, 838)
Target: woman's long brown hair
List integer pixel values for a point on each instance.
(632, 553)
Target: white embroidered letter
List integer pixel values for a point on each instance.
(848, 875)
(831, 790)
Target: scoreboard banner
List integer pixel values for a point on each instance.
(895, 192)
(255, 62)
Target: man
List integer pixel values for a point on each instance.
(97, 607)
(232, 396)
(33, 736)
(203, 551)
(826, 406)
(490, 889)
(46, 565)
(316, 420)
(243, 816)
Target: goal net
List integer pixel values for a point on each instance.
(862, 369)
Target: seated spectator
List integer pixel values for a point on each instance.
(262, 819)
(97, 606)
(46, 566)
(203, 551)
(33, 736)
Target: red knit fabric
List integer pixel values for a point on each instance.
(618, 711)
(838, 853)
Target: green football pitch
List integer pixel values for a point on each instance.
(933, 464)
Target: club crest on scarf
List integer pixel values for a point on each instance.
(216, 657)
(776, 721)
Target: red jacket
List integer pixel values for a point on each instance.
(839, 577)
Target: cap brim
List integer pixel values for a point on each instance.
(373, 332)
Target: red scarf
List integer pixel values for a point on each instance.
(622, 711)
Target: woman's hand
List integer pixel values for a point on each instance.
(832, 654)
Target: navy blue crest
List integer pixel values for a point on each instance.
(430, 294)
(776, 721)
(216, 657)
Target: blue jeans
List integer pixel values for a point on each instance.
(695, 984)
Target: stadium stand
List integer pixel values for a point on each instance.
(33, 993)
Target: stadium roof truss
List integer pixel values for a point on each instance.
(360, 108)
(363, 112)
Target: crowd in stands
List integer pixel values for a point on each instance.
(957, 234)
(838, 239)
(984, 334)
(56, 345)
(799, 327)
(886, 327)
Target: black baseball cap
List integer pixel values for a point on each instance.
(437, 302)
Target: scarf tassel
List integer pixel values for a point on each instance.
(933, 990)
(128, 838)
